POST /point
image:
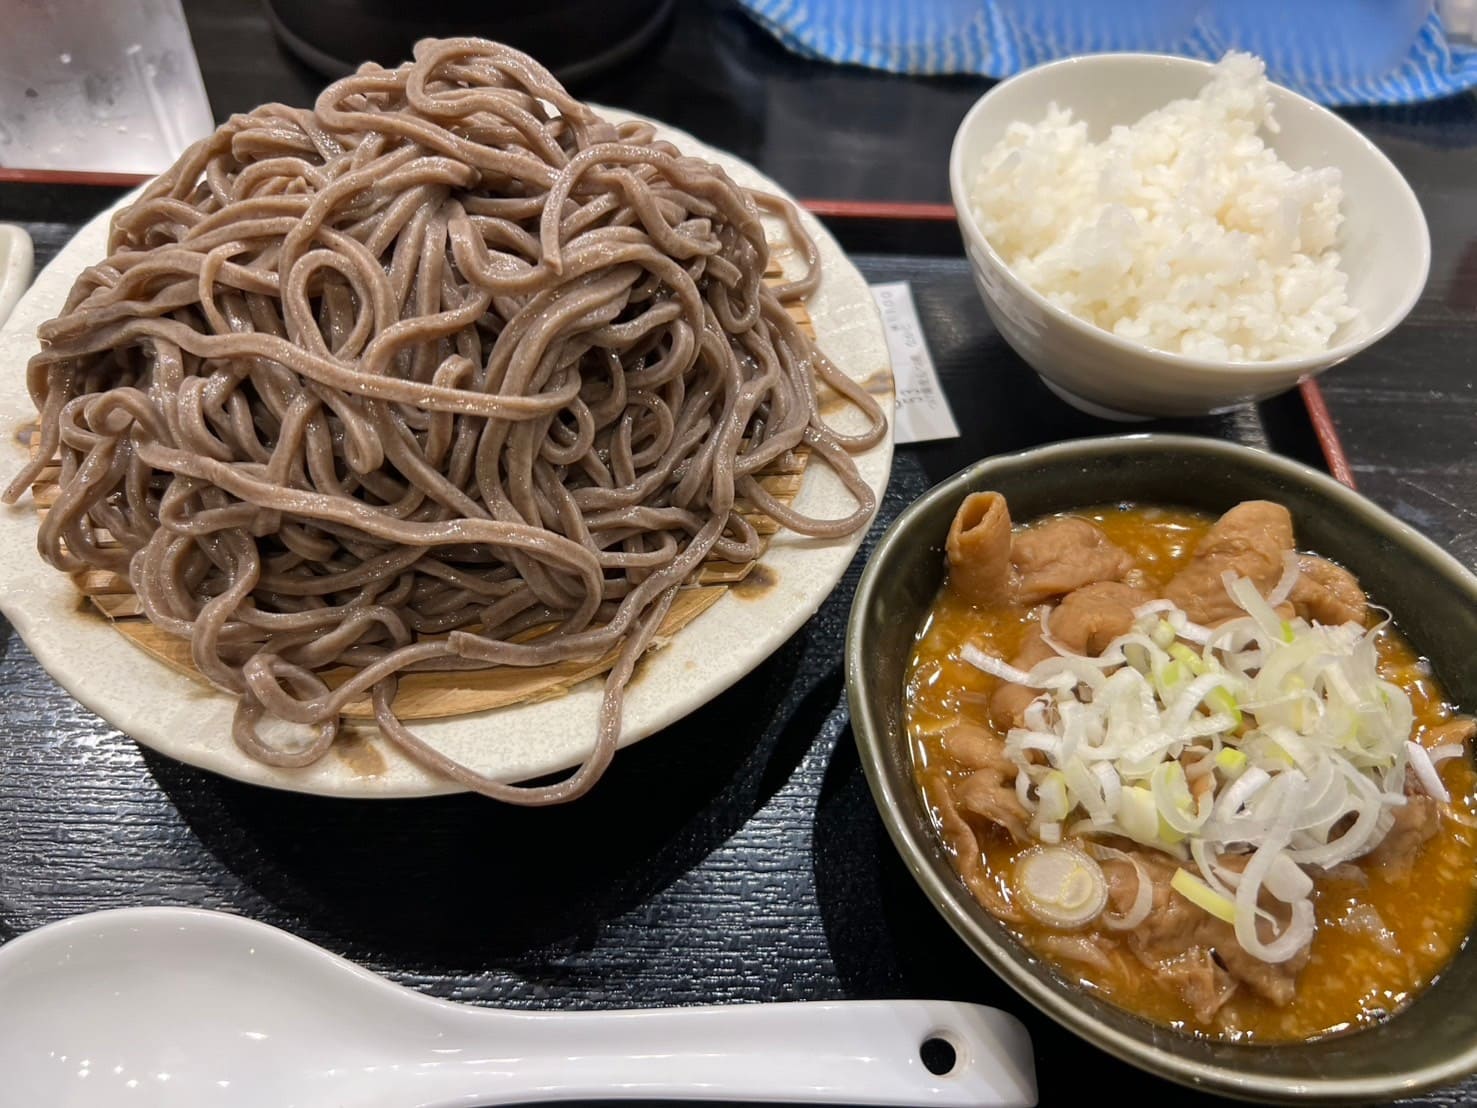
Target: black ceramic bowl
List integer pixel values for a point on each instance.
(1434, 599)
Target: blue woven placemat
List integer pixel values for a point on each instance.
(997, 39)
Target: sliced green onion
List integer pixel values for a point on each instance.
(1138, 818)
(1230, 760)
(1171, 675)
(1060, 886)
(1290, 727)
(1198, 893)
(995, 667)
(1426, 773)
(1163, 634)
(1243, 591)
(1143, 897)
(1169, 836)
(1188, 658)
(1223, 700)
(1291, 571)
(1051, 797)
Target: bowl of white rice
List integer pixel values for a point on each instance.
(1158, 236)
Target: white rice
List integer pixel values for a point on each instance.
(1182, 232)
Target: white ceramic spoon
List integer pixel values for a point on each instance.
(16, 255)
(175, 1006)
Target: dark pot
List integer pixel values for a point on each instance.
(574, 38)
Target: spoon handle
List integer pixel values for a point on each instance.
(854, 1052)
(15, 266)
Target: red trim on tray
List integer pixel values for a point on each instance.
(1327, 432)
(826, 209)
(879, 209)
(10, 176)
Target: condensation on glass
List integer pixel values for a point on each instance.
(102, 85)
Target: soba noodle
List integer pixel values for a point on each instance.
(391, 383)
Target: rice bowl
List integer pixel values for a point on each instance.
(1384, 245)
(1183, 230)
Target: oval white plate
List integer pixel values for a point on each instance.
(191, 722)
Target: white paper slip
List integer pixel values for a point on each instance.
(922, 409)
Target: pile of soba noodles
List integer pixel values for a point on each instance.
(391, 383)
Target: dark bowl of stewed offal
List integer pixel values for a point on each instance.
(1176, 734)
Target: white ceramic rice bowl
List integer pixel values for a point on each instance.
(1384, 242)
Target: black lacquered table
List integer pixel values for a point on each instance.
(737, 856)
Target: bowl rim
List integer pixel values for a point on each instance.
(949, 897)
(1306, 364)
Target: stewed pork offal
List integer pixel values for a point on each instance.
(1193, 768)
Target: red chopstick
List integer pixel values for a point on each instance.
(1327, 433)
(9, 176)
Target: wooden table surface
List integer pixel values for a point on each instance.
(737, 856)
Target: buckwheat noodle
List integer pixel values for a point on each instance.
(391, 383)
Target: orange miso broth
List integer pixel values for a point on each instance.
(1383, 933)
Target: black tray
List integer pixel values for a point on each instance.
(735, 857)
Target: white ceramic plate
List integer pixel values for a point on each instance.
(187, 720)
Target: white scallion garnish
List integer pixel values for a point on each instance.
(1273, 741)
(1425, 771)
